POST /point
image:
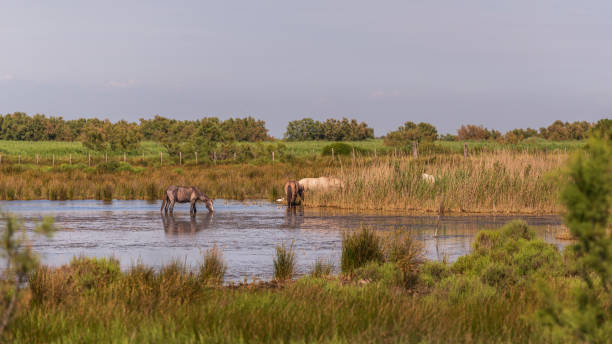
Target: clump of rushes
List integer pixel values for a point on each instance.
(284, 262)
(214, 268)
(359, 248)
(322, 268)
(407, 253)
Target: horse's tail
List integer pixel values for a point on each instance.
(289, 194)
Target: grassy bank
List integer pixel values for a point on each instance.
(385, 294)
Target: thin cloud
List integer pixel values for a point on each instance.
(122, 84)
(6, 77)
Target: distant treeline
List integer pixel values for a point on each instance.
(200, 135)
(558, 131)
(105, 135)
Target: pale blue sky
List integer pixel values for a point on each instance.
(502, 64)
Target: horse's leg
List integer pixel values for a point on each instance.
(163, 203)
(191, 208)
(172, 202)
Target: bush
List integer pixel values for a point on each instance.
(359, 248)
(214, 268)
(341, 148)
(284, 262)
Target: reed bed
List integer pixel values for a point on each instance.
(503, 182)
(500, 182)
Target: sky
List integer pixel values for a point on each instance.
(501, 64)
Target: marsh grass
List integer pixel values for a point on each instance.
(322, 268)
(284, 262)
(213, 269)
(502, 182)
(360, 247)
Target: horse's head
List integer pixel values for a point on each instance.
(207, 202)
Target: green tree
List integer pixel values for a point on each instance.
(587, 196)
(410, 132)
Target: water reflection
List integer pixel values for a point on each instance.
(176, 226)
(294, 217)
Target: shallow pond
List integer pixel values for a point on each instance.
(135, 231)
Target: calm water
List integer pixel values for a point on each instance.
(134, 231)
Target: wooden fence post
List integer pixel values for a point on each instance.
(234, 156)
(106, 156)
(53, 159)
(180, 158)
(374, 152)
(465, 150)
(333, 153)
(272, 156)
(0, 158)
(142, 156)
(196, 154)
(161, 159)
(19, 159)
(37, 159)
(124, 157)
(70, 158)
(415, 149)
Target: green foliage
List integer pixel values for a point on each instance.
(411, 132)
(284, 262)
(602, 129)
(360, 248)
(20, 262)
(588, 197)
(477, 132)
(341, 148)
(332, 130)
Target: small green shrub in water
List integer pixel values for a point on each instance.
(284, 262)
(359, 248)
(213, 269)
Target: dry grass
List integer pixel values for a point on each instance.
(503, 182)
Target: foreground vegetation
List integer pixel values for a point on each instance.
(384, 294)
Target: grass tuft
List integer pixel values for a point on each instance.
(284, 262)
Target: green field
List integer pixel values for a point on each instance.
(45, 149)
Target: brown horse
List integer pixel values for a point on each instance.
(293, 189)
(184, 194)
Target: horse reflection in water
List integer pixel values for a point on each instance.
(294, 217)
(192, 225)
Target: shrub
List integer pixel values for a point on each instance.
(359, 248)
(284, 262)
(341, 148)
(214, 268)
